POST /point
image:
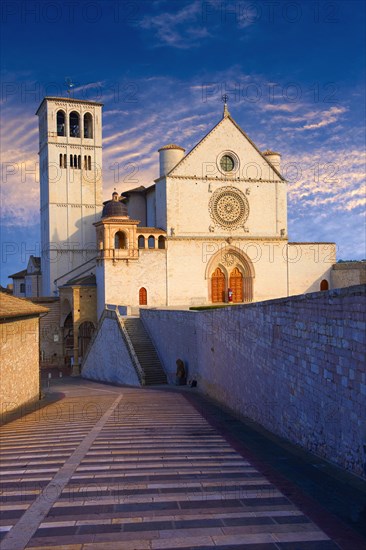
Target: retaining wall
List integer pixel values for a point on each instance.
(108, 358)
(295, 365)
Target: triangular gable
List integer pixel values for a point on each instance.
(34, 264)
(176, 171)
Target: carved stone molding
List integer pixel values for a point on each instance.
(229, 208)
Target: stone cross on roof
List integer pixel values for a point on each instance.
(225, 99)
(69, 84)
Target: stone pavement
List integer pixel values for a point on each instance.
(103, 467)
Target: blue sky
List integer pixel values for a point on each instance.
(294, 72)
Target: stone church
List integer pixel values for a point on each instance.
(211, 228)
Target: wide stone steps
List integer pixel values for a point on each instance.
(150, 473)
(145, 352)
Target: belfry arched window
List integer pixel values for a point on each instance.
(151, 242)
(74, 124)
(61, 131)
(141, 241)
(120, 240)
(88, 126)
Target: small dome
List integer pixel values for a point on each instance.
(171, 146)
(268, 152)
(115, 207)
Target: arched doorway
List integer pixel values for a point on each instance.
(324, 285)
(86, 331)
(236, 285)
(68, 338)
(143, 297)
(218, 286)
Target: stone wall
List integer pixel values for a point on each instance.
(348, 274)
(19, 375)
(295, 365)
(51, 334)
(108, 358)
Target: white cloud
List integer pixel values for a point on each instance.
(326, 118)
(180, 29)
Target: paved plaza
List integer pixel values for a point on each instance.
(103, 467)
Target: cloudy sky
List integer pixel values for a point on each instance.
(294, 72)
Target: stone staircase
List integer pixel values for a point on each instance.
(145, 352)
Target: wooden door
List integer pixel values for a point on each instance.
(236, 285)
(218, 286)
(143, 296)
(324, 285)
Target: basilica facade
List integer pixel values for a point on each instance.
(211, 228)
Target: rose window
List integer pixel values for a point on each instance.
(229, 208)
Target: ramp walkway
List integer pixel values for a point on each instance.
(104, 467)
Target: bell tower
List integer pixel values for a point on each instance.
(70, 160)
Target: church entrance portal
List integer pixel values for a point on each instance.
(218, 286)
(230, 270)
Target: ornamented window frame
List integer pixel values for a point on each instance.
(236, 200)
(234, 157)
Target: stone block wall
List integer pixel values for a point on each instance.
(19, 374)
(51, 334)
(348, 274)
(108, 358)
(295, 365)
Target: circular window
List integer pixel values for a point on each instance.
(229, 208)
(227, 163)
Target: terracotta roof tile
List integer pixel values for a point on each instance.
(18, 307)
(171, 146)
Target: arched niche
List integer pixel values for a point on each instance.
(120, 240)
